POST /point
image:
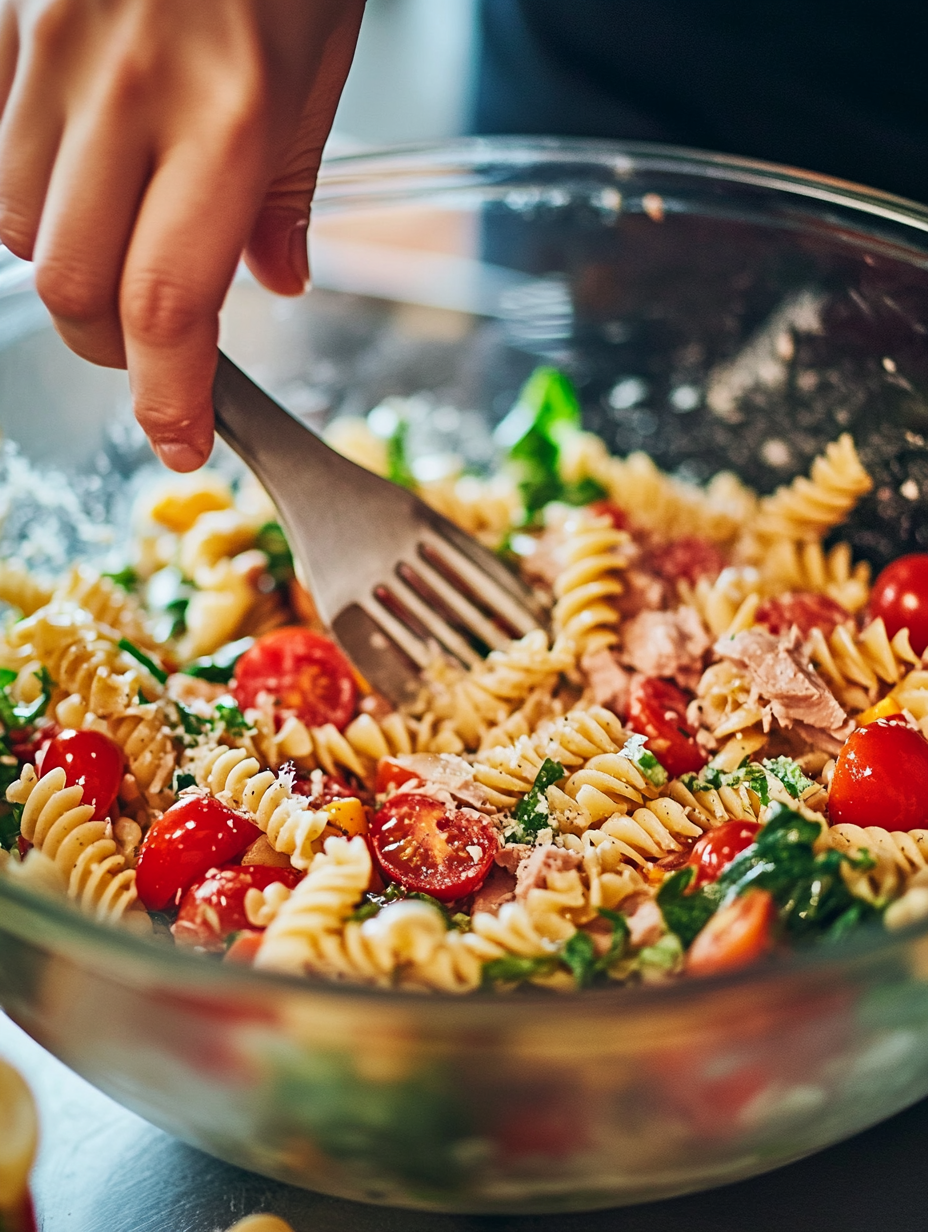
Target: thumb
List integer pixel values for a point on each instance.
(276, 252)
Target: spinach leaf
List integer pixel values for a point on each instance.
(398, 468)
(141, 657)
(579, 954)
(273, 543)
(546, 413)
(220, 667)
(181, 781)
(127, 578)
(193, 725)
(531, 813)
(232, 719)
(687, 914)
(176, 611)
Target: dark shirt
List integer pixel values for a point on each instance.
(836, 86)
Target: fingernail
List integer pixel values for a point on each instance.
(299, 253)
(179, 456)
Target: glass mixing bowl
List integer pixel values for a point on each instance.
(714, 311)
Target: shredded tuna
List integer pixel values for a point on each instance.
(445, 773)
(499, 888)
(644, 920)
(533, 872)
(511, 856)
(609, 684)
(187, 689)
(781, 673)
(668, 644)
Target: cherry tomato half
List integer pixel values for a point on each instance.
(690, 558)
(214, 906)
(735, 936)
(717, 848)
(390, 775)
(881, 778)
(657, 709)
(89, 760)
(305, 673)
(244, 949)
(194, 835)
(607, 509)
(900, 596)
(804, 610)
(429, 848)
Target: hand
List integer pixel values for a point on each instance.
(143, 145)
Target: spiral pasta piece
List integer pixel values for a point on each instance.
(239, 781)
(143, 735)
(899, 854)
(106, 602)
(726, 604)
(809, 507)
(589, 583)
(20, 589)
(305, 937)
(62, 828)
(866, 660)
(484, 508)
(797, 565)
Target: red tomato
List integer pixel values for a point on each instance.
(305, 673)
(390, 775)
(321, 788)
(425, 847)
(89, 760)
(244, 949)
(900, 596)
(214, 906)
(716, 849)
(657, 709)
(735, 936)
(193, 836)
(606, 509)
(804, 610)
(881, 778)
(690, 558)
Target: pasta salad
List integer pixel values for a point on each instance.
(717, 752)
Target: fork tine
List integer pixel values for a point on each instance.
(439, 628)
(479, 580)
(390, 663)
(469, 615)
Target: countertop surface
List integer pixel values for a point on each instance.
(102, 1169)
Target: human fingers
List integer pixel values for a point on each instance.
(96, 185)
(276, 252)
(30, 130)
(194, 218)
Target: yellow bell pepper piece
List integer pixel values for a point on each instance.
(349, 815)
(882, 710)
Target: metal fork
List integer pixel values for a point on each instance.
(391, 578)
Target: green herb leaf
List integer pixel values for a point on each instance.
(194, 725)
(220, 667)
(14, 717)
(232, 719)
(273, 543)
(398, 468)
(579, 954)
(177, 611)
(513, 969)
(141, 657)
(686, 914)
(790, 775)
(127, 578)
(181, 781)
(531, 813)
(634, 749)
(366, 911)
(749, 773)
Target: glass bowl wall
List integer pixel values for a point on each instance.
(715, 312)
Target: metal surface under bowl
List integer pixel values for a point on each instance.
(713, 311)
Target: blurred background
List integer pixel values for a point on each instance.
(412, 74)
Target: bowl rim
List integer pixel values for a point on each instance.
(351, 176)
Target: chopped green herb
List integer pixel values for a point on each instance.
(790, 775)
(141, 657)
(194, 725)
(13, 716)
(220, 667)
(531, 813)
(620, 935)
(127, 578)
(366, 911)
(644, 759)
(10, 819)
(273, 543)
(176, 610)
(664, 955)
(513, 969)
(182, 781)
(232, 719)
(398, 468)
(579, 954)
(750, 774)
